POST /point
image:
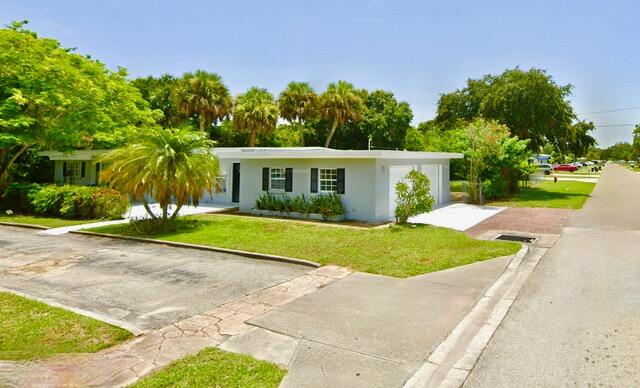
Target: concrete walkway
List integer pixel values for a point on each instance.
(138, 212)
(124, 364)
(458, 216)
(577, 321)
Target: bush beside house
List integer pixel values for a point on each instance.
(413, 196)
(326, 206)
(67, 201)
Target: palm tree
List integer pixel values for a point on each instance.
(339, 104)
(298, 103)
(255, 111)
(204, 95)
(165, 164)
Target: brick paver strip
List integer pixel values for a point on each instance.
(531, 220)
(126, 363)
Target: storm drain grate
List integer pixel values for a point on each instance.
(513, 237)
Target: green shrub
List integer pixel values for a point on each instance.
(108, 203)
(413, 196)
(325, 204)
(16, 197)
(79, 202)
(47, 201)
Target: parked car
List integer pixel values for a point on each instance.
(546, 168)
(565, 167)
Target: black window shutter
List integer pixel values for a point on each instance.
(340, 181)
(83, 170)
(314, 180)
(288, 180)
(265, 178)
(64, 169)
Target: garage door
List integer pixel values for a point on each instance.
(396, 174)
(433, 172)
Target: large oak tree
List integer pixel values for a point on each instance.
(51, 97)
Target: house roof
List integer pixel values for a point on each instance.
(281, 153)
(326, 153)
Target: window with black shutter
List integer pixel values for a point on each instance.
(340, 184)
(314, 180)
(265, 179)
(288, 180)
(83, 169)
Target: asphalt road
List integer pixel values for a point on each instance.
(147, 285)
(577, 321)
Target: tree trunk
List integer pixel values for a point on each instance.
(165, 212)
(203, 123)
(252, 138)
(301, 129)
(175, 212)
(146, 207)
(5, 166)
(333, 130)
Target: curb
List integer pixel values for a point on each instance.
(251, 255)
(27, 226)
(133, 329)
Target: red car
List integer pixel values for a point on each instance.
(565, 167)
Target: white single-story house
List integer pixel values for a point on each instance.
(365, 179)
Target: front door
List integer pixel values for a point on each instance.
(235, 183)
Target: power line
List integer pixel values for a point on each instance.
(612, 110)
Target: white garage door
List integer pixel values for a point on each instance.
(396, 174)
(433, 172)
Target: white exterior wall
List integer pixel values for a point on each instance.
(388, 172)
(89, 177)
(359, 197)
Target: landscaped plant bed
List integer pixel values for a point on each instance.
(304, 216)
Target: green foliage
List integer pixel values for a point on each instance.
(325, 204)
(203, 96)
(415, 140)
(17, 197)
(56, 99)
(506, 168)
(77, 202)
(413, 196)
(169, 165)
(580, 141)
(158, 92)
(339, 104)
(255, 112)
(530, 103)
(298, 103)
(109, 204)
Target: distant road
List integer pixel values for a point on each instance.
(577, 321)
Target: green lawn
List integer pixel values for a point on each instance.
(394, 251)
(41, 221)
(563, 194)
(215, 368)
(30, 329)
(457, 186)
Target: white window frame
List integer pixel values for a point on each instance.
(281, 178)
(335, 180)
(75, 167)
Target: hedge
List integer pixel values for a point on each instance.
(67, 201)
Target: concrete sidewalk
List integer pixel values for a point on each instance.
(577, 321)
(367, 330)
(458, 216)
(137, 212)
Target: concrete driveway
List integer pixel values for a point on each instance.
(145, 285)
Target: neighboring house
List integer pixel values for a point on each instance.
(541, 158)
(77, 167)
(365, 179)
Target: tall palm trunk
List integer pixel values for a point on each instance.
(252, 138)
(333, 130)
(203, 122)
(301, 129)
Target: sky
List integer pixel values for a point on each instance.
(415, 49)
